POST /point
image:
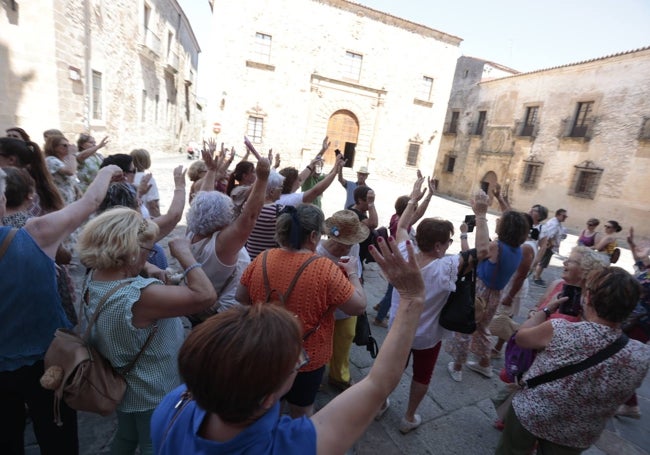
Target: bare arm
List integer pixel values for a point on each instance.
(234, 236)
(159, 301)
(318, 189)
(342, 181)
(537, 332)
(406, 217)
(639, 254)
(242, 295)
(48, 231)
(70, 165)
(85, 154)
(542, 246)
(464, 244)
(343, 420)
(356, 304)
(479, 203)
(504, 206)
(601, 245)
(304, 175)
(167, 222)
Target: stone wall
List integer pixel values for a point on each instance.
(52, 52)
(303, 84)
(619, 87)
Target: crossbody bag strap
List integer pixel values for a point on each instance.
(297, 275)
(7, 241)
(267, 285)
(130, 366)
(311, 331)
(567, 370)
(100, 306)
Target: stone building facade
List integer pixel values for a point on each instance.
(289, 72)
(574, 137)
(122, 68)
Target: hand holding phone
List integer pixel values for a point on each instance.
(251, 149)
(470, 221)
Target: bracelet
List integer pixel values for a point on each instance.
(547, 312)
(411, 201)
(463, 236)
(350, 275)
(481, 218)
(190, 268)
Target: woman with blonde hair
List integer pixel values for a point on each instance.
(150, 198)
(137, 314)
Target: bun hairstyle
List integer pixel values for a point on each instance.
(617, 227)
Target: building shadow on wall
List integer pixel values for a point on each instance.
(11, 8)
(11, 89)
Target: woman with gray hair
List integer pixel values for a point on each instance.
(218, 238)
(262, 236)
(308, 285)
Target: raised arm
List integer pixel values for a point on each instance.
(339, 174)
(85, 154)
(304, 174)
(479, 205)
(343, 420)
(48, 231)
(422, 207)
(373, 219)
(234, 236)
(504, 205)
(406, 217)
(159, 301)
(318, 189)
(167, 222)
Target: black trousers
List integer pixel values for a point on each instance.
(21, 387)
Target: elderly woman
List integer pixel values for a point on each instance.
(62, 165)
(567, 415)
(439, 271)
(31, 302)
(577, 267)
(137, 312)
(344, 231)
(234, 381)
(195, 173)
(218, 238)
(88, 159)
(262, 237)
(493, 274)
(321, 286)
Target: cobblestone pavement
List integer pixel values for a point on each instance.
(457, 417)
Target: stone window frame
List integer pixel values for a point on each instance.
(255, 133)
(413, 153)
(586, 179)
(583, 119)
(262, 48)
(531, 120)
(352, 63)
(452, 126)
(531, 173)
(425, 89)
(450, 163)
(97, 95)
(480, 123)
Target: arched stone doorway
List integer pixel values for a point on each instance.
(343, 133)
(488, 183)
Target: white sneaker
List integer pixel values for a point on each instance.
(475, 366)
(405, 426)
(455, 375)
(383, 409)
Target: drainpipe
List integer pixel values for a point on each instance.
(87, 66)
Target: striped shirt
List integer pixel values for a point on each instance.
(262, 237)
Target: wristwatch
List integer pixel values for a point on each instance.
(547, 312)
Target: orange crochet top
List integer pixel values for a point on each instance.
(320, 286)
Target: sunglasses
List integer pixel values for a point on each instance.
(608, 226)
(152, 252)
(130, 171)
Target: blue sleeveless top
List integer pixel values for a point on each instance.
(496, 275)
(31, 309)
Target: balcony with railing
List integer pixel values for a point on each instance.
(173, 61)
(151, 42)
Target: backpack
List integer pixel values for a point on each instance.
(80, 375)
(463, 308)
(517, 360)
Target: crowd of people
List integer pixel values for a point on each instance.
(272, 288)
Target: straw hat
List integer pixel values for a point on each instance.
(344, 227)
(363, 170)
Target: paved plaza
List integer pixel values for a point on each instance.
(456, 417)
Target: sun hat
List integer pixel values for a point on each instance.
(344, 227)
(363, 170)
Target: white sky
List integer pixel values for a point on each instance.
(520, 34)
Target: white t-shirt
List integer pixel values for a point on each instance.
(439, 281)
(354, 252)
(292, 199)
(152, 194)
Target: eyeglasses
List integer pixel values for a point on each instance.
(152, 252)
(303, 359)
(608, 226)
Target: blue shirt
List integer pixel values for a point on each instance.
(270, 434)
(31, 308)
(496, 275)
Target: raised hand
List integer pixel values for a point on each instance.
(179, 177)
(324, 147)
(403, 274)
(211, 145)
(103, 142)
(276, 164)
(263, 168)
(417, 192)
(479, 203)
(432, 183)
